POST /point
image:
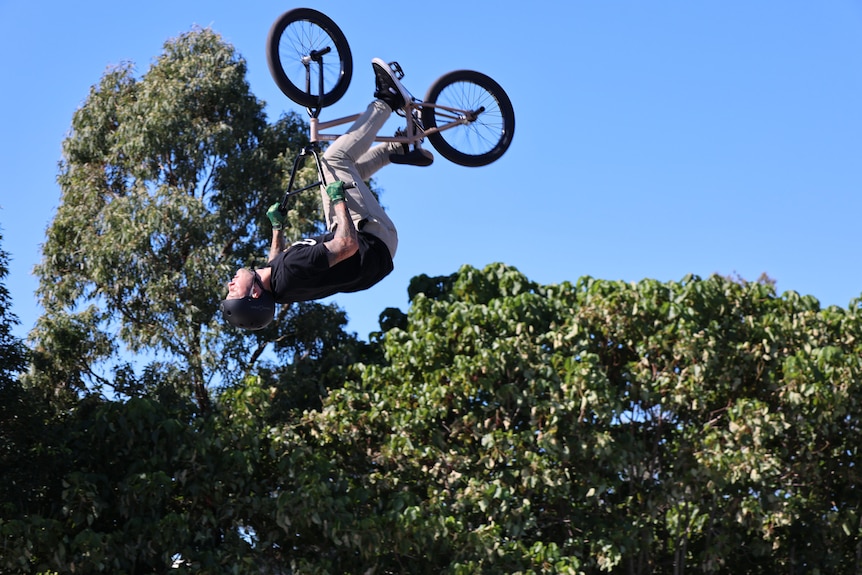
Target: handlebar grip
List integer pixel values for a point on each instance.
(317, 54)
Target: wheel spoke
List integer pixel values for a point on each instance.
(474, 137)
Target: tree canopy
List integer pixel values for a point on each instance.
(509, 427)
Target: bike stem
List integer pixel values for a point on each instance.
(315, 56)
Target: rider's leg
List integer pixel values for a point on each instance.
(339, 162)
(392, 153)
(376, 158)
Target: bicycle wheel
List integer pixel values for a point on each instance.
(483, 116)
(292, 40)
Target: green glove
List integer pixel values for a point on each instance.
(276, 216)
(335, 191)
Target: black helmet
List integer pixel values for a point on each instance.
(249, 312)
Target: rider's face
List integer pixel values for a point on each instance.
(241, 284)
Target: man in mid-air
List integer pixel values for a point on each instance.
(356, 251)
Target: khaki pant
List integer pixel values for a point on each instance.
(352, 159)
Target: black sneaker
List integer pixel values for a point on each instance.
(387, 86)
(415, 157)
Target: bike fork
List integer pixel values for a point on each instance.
(314, 150)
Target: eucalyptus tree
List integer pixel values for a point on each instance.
(165, 182)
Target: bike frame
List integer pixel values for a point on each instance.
(411, 110)
(413, 134)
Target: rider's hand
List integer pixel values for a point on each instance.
(335, 191)
(276, 216)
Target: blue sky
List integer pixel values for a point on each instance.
(653, 139)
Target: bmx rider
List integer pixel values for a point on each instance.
(357, 250)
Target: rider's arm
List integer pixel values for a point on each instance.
(344, 243)
(276, 218)
(277, 243)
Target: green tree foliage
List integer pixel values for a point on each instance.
(29, 442)
(13, 354)
(706, 426)
(20, 413)
(165, 183)
(639, 428)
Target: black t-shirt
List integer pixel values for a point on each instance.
(302, 272)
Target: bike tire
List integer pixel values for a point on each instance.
(291, 38)
(481, 141)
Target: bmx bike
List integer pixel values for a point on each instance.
(465, 115)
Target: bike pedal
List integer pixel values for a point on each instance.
(396, 69)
